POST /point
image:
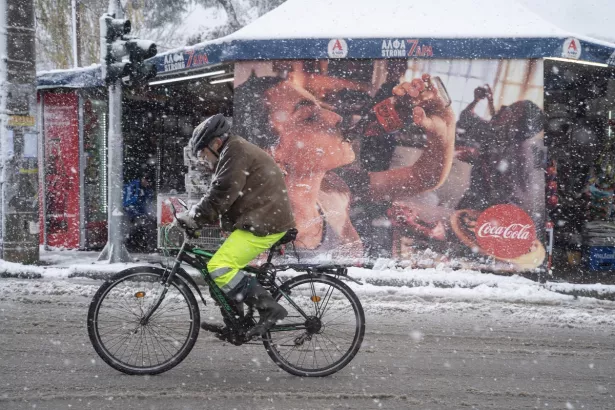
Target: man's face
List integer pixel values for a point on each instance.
(207, 158)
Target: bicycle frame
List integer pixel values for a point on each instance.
(197, 258)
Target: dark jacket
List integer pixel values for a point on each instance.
(248, 192)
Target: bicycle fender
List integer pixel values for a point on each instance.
(184, 275)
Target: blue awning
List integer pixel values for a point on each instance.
(204, 55)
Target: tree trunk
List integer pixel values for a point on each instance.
(230, 12)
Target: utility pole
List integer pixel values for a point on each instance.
(19, 229)
(75, 31)
(114, 46)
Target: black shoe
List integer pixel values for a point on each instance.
(257, 330)
(210, 327)
(263, 326)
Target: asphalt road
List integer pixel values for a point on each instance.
(410, 359)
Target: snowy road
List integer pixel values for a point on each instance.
(419, 352)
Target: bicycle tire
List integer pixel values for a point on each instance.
(291, 286)
(178, 289)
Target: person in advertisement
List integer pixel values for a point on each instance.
(500, 167)
(377, 164)
(247, 193)
(294, 121)
(503, 158)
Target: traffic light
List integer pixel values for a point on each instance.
(138, 52)
(115, 45)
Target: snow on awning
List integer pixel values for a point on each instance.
(74, 78)
(398, 18)
(316, 29)
(367, 29)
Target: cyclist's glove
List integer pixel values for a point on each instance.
(187, 222)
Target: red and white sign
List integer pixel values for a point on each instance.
(572, 48)
(505, 231)
(165, 211)
(338, 48)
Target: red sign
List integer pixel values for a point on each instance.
(417, 50)
(166, 211)
(61, 156)
(505, 231)
(196, 59)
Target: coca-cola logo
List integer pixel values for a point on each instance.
(505, 231)
(512, 231)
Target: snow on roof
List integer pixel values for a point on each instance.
(302, 29)
(398, 18)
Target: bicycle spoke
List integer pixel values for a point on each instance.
(148, 353)
(159, 344)
(334, 344)
(347, 334)
(121, 338)
(325, 302)
(126, 340)
(324, 309)
(330, 345)
(324, 352)
(170, 333)
(316, 307)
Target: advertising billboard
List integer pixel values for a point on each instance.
(428, 162)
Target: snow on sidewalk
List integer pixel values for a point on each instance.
(64, 269)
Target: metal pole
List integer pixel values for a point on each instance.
(82, 165)
(18, 134)
(73, 7)
(114, 250)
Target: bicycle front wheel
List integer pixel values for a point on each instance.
(324, 328)
(119, 337)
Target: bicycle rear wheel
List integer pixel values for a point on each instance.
(116, 332)
(324, 328)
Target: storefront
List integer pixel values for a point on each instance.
(73, 164)
(157, 124)
(580, 174)
(470, 173)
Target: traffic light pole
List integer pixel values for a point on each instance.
(114, 250)
(114, 46)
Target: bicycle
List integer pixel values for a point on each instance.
(145, 320)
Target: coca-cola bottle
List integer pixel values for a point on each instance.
(386, 116)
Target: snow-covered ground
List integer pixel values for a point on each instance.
(75, 273)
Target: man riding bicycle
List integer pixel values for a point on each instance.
(248, 194)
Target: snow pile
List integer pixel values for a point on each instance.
(67, 264)
(78, 273)
(525, 304)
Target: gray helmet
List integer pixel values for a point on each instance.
(205, 132)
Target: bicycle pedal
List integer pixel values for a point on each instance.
(224, 337)
(210, 327)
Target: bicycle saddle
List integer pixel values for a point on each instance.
(289, 236)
